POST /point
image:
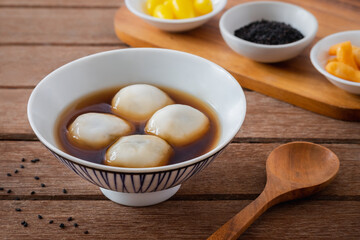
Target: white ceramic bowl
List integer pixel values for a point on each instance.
(243, 14)
(186, 72)
(320, 54)
(137, 7)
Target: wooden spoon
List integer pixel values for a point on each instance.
(294, 170)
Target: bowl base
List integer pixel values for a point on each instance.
(140, 199)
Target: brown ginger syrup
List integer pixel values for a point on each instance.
(100, 102)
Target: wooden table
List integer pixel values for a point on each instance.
(37, 36)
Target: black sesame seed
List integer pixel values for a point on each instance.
(16, 171)
(70, 219)
(36, 178)
(76, 225)
(33, 192)
(43, 185)
(40, 217)
(35, 160)
(86, 232)
(9, 174)
(1, 189)
(62, 226)
(22, 166)
(18, 209)
(23, 222)
(269, 32)
(23, 159)
(64, 191)
(51, 222)
(9, 191)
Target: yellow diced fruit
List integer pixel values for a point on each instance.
(343, 71)
(151, 4)
(202, 7)
(163, 11)
(345, 55)
(168, 4)
(183, 9)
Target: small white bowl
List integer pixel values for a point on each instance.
(243, 14)
(137, 7)
(319, 56)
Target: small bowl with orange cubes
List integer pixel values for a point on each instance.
(337, 57)
(175, 15)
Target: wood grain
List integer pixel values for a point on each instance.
(294, 170)
(13, 103)
(44, 26)
(337, 13)
(176, 220)
(345, 9)
(38, 36)
(38, 61)
(267, 120)
(241, 167)
(295, 81)
(62, 3)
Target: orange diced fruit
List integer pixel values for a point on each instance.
(342, 70)
(332, 60)
(345, 55)
(333, 49)
(356, 53)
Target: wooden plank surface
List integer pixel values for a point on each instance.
(38, 61)
(38, 36)
(266, 120)
(241, 167)
(62, 3)
(294, 81)
(176, 220)
(57, 26)
(13, 121)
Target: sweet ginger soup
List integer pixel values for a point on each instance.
(136, 126)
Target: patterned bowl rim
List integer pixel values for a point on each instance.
(98, 166)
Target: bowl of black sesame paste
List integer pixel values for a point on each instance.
(268, 31)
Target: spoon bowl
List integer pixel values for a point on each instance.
(294, 170)
(302, 164)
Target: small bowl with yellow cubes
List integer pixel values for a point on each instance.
(337, 57)
(175, 15)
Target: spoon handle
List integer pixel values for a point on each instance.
(233, 228)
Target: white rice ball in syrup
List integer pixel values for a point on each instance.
(97, 130)
(138, 151)
(178, 124)
(139, 101)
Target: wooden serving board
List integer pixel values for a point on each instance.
(295, 81)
